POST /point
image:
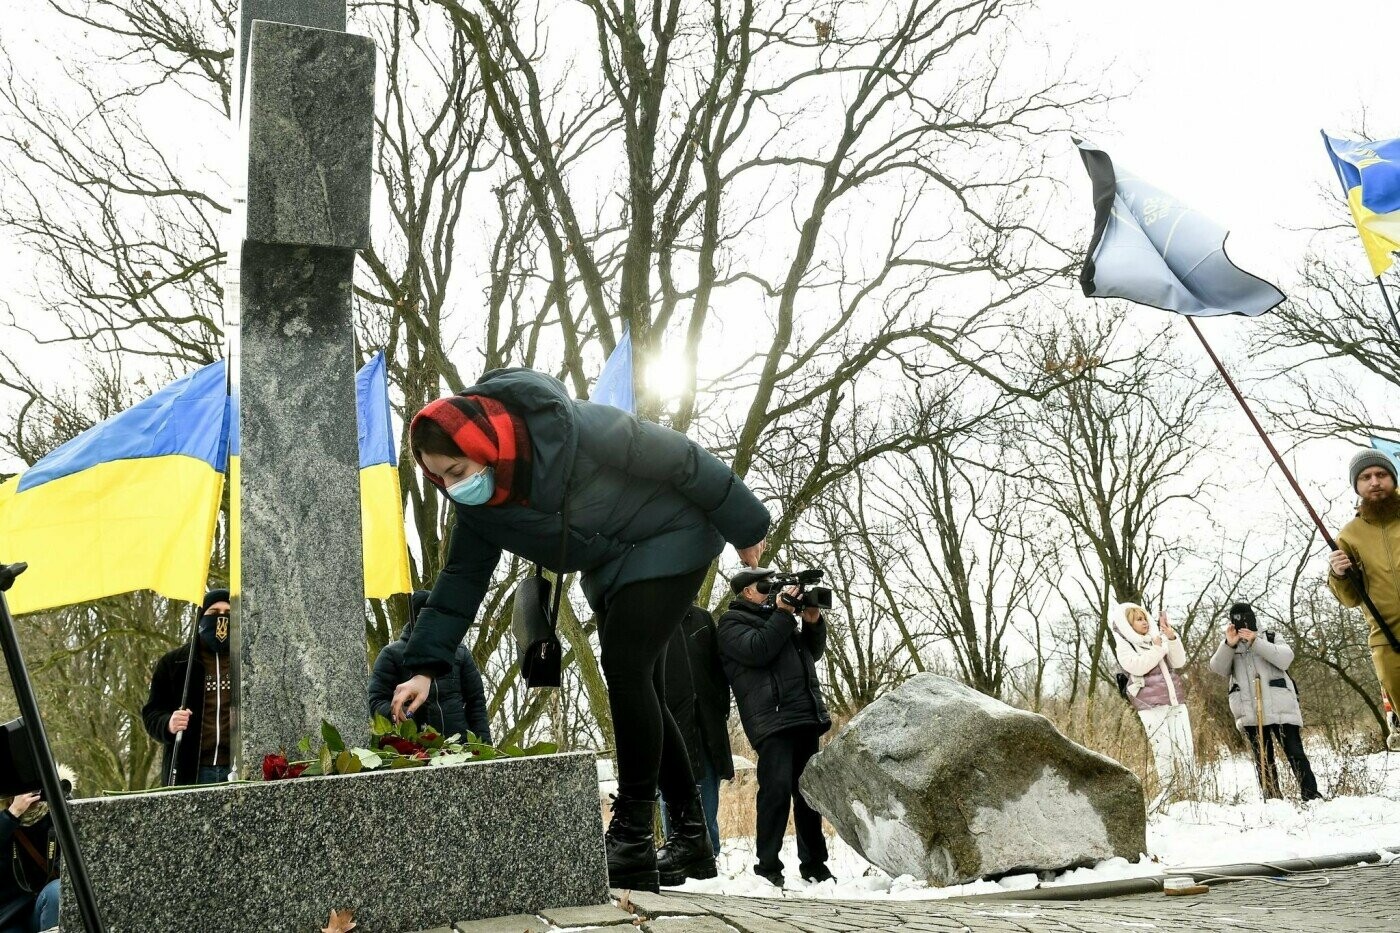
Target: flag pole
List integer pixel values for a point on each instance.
(1353, 575)
(1388, 306)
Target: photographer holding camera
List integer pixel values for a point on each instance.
(770, 660)
(1247, 656)
(29, 875)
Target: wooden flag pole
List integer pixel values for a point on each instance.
(1388, 306)
(1353, 575)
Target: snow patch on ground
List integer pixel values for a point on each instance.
(1232, 825)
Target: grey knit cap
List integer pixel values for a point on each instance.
(1368, 457)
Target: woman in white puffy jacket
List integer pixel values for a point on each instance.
(1151, 655)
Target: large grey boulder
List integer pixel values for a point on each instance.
(941, 782)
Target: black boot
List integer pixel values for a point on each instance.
(687, 852)
(631, 846)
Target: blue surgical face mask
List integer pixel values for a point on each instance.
(475, 489)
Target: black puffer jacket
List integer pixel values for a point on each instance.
(456, 702)
(644, 502)
(772, 666)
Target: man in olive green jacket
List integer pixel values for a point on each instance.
(1371, 543)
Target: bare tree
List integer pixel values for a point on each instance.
(1112, 454)
(1334, 344)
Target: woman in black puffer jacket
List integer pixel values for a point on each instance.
(639, 511)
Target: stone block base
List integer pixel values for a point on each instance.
(405, 850)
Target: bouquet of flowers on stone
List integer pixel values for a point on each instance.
(392, 745)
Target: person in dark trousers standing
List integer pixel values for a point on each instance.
(204, 752)
(771, 662)
(638, 510)
(697, 694)
(458, 701)
(1246, 654)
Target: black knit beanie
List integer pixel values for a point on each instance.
(212, 597)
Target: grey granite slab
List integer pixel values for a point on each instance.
(300, 610)
(604, 915)
(405, 850)
(660, 905)
(687, 925)
(520, 923)
(322, 14)
(309, 122)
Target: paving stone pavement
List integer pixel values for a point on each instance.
(1360, 900)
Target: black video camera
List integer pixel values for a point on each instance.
(808, 596)
(1242, 617)
(19, 772)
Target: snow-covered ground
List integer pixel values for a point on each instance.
(1231, 825)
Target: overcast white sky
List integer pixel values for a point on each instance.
(1223, 100)
(1224, 114)
(1229, 99)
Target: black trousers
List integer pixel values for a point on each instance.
(634, 630)
(1291, 738)
(781, 759)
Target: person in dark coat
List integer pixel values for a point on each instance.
(29, 862)
(638, 510)
(458, 702)
(697, 694)
(771, 662)
(205, 716)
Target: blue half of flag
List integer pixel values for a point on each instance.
(614, 386)
(1387, 447)
(186, 419)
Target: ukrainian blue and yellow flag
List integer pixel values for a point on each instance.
(384, 542)
(129, 504)
(1370, 177)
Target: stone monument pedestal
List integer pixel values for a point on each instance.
(406, 850)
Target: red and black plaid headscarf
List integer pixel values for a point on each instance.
(484, 430)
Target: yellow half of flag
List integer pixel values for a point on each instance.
(1380, 233)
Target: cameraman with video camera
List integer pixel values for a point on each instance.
(770, 660)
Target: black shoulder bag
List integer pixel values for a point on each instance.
(534, 626)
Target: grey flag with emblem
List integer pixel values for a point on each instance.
(1151, 249)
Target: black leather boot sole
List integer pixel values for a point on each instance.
(636, 881)
(700, 869)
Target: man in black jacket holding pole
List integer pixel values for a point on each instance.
(771, 663)
(202, 714)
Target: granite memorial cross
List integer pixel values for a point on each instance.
(307, 110)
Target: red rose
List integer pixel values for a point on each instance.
(274, 767)
(421, 755)
(402, 746)
(296, 770)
